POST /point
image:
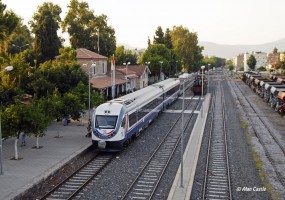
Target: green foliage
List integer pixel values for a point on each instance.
(156, 53)
(251, 62)
(82, 92)
(82, 26)
(262, 69)
(8, 23)
(159, 36)
(45, 25)
(229, 63)
(21, 39)
(213, 61)
(167, 39)
(231, 68)
(123, 56)
(30, 119)
(64, 76)
(185, 45)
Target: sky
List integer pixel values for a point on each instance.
(219, 21)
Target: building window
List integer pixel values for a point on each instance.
(103, 67)
(94, 70)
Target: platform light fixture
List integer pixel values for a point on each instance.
(202, 67)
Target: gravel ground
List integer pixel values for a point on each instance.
(274, 121)
(114, 179)
(243, 170)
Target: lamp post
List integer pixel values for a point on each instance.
(160, 70)
(128, 63)
(208, 77)
(182, 135)
(147, 64)
(8, 68)
(176, 67)
(93, 65)
(202, 67)
(20, 47)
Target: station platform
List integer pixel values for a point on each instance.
(34, 164)
(181, 190)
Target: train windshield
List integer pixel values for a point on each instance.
(105, 122)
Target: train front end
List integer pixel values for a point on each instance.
(108, 127)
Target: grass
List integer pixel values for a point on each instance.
(259, 165)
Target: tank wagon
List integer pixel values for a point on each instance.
(197, 85)
(274, 77)
(280, 105)
(274, 91)
(114, 123)
(268, 95)
(256, 87)
(246, 76)
(265, 89)
(271, 90)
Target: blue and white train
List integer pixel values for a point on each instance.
(114, 123)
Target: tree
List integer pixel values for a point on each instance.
(81, 91)
(84, 27)
(159, 36)
(251, 62)
(167, 39)
(154, 54)
(21, 39)
(8, 23)
(185, 44)
(275, 50)
(123, 56)
(45, 25)
(19, 117)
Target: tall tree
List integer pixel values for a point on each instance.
(167, 39)
(251, 62)
(159, 36)
(185, 44)
(45, 25)
(21, 39)
(155, 54)
(123, 56)
(84, 28)
(8, 22)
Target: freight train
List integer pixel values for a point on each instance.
(116, 122)
(272, 89)
(200, 82)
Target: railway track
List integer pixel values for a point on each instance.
(217, 182)
(148, 179)
(273, 149)
(71, 186)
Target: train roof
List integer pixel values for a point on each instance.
(267, 85)
(277, 89)
(141, 97)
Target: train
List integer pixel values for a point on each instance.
(117, 121)
(197, 85)
(271, 89)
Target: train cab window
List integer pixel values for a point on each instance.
(105, 122)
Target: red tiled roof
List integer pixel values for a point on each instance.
(105, 82)
(134, 69)
(83, 53)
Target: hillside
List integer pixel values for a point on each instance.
(228, 51)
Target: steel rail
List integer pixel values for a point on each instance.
(155, 153)
(266, 150)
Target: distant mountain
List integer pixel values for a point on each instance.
(229, 51)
